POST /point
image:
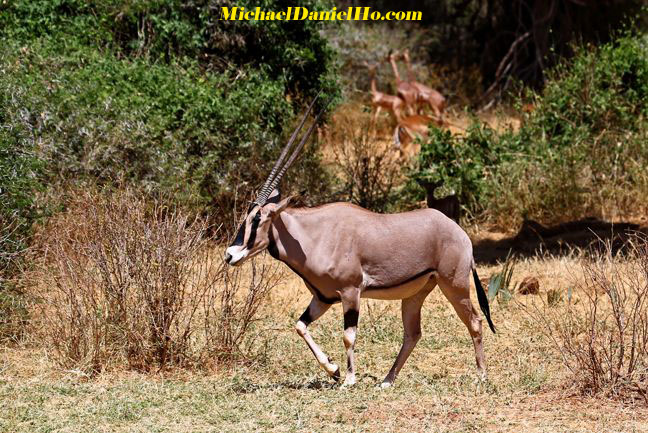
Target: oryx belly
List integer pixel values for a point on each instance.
(400, 291)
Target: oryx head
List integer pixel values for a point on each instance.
(253, 235)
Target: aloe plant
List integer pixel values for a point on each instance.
(501, 283)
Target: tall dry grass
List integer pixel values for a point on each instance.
(127, 283)
(602, 331)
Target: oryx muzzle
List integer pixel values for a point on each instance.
(343, 253)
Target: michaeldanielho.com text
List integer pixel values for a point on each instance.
(301, 13)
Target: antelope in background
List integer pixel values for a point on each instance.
(425, 95)
(404, 89)
(408, 130)
(379, 100)
(344, 253)
(448, 205)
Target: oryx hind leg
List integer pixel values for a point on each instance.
(314, 311)
(458, 293)
(411, 315)
(351, 308)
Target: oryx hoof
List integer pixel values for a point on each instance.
(386, 385)
(349, 380)
(336, 375)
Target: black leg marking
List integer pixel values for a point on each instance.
(350, 319)
(336, 375)
(306, 318)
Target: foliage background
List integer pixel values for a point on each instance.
(160, 96)
(581, 152)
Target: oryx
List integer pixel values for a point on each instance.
(344, 252)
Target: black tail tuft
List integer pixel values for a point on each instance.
(483, 300)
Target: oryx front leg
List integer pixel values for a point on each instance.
(351, 308)
(411, 314)
(314, 311)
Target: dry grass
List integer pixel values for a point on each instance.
(602, 333)
(121, 282)
(285, 390)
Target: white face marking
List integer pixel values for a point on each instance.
(238, 253)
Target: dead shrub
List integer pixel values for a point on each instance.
(124, 282)
(13, 314)
(241, 293)
(601, 327)
(369, 167)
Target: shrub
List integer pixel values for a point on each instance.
(128, 283)
(172, 31)
(501, 285)
(580, 152)
(459, 163)
(602, 331)
(368, 168)
(19, 183)
(161, 95)
(13, 312)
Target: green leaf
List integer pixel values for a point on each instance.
(494, 285)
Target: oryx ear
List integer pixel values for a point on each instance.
(274, 209)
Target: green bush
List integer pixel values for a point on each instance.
(158, 95)
(581, 152)
(161, 95)
(19, 174)
(172, 31)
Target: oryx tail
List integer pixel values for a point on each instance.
(483, 299)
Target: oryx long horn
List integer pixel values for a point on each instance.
(299, 147)
(266, 189)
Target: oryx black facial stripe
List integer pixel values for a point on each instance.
(253, 230)
(240, 236)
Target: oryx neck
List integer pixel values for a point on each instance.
(291, 235)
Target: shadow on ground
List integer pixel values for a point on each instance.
(535, 239)
(249, 387)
